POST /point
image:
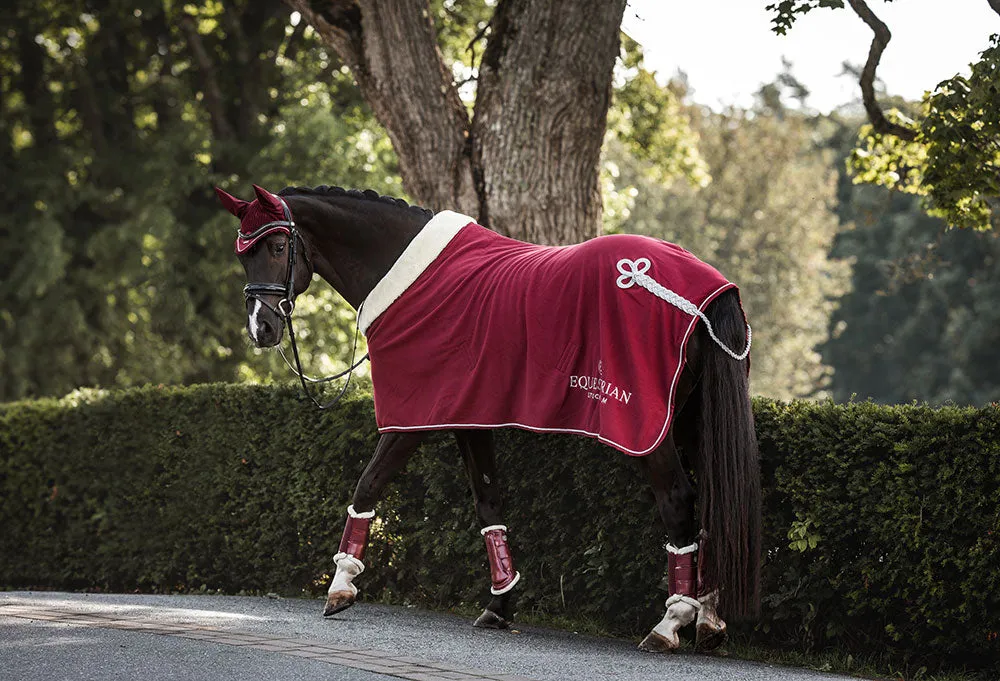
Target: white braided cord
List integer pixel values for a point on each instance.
(634, 272)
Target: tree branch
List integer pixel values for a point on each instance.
(882, 37)
(213, 95)
(339, 25)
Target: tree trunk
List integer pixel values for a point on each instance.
(527, 164)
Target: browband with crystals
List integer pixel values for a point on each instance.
(248, 240)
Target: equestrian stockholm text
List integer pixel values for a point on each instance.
(601, 387)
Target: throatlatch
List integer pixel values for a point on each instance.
(356, 531)
(502, 572)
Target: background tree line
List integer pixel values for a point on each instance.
(117, 118)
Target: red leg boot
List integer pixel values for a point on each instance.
(343, 593)
(502, 572)
(503, 577)
(682, 605)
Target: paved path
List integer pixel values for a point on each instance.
(57, 636)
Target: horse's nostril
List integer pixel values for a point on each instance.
(265, 329)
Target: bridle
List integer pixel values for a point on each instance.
(286, 305)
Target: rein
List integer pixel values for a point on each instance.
(286, 305)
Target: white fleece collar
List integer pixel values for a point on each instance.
(425, 247)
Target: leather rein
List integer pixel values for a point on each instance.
(286, 305)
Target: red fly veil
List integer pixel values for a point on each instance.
(254, 215)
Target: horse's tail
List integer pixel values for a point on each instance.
(728, 472)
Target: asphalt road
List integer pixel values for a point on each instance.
(55, 636)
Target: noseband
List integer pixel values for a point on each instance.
(286, 305)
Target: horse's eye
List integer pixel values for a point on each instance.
(279, 248)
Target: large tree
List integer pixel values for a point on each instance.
(525, 161)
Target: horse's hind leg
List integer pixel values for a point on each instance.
(391, 454)
(675, 501)
(480, 463)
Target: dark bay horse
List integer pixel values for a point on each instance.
(703, 466)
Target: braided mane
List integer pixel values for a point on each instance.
(366, 195)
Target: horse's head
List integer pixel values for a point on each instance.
(275, 258)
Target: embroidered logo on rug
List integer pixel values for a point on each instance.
(599, 389)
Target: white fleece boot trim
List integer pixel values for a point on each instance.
(348, 567)
(678, 598)
(491, 528)
(367, 515)
(681, 551)
(500, 592)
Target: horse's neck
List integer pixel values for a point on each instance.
(356, 241)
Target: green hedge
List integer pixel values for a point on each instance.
(881, 523)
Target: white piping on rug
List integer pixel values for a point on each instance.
(634, 272)
(425, 247)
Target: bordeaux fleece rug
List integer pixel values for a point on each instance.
(470, 329)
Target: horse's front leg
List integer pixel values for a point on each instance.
(391, 454)
(480, 464)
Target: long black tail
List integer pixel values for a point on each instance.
(729, 494)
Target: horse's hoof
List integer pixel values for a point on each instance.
(709, 638)
(491, 620)
(655, 643)
(337, 601)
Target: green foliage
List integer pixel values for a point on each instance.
(787, 11)
(162, 489)
(891, 513)
(652, 123)
(116, 120)
(955, 161)
(904, 502)
(919, 321)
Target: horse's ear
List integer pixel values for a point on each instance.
(268, 199)
(234, 205)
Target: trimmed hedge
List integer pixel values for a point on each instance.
(881, 523)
